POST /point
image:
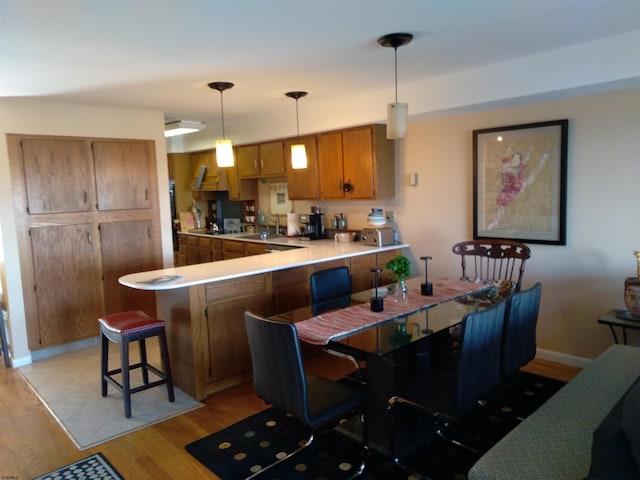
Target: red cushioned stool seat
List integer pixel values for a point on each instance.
(126, 327)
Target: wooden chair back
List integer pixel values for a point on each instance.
(493, 260)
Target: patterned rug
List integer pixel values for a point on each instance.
(93, 467)
(255, 442)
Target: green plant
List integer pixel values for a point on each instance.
(399, 266)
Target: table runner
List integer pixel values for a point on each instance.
(319, 330)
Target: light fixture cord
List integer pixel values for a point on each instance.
(395, 49)
(297, 119)
(222, 114)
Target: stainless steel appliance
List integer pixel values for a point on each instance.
(377, 236)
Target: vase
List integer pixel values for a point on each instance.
(632, 296)
(400, 295)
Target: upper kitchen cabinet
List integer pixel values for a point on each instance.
(122, 179)
(263, 160)
(57, 175)
(302, 183)
(356, 164)
(206, 174)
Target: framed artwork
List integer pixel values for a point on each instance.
(520, 182)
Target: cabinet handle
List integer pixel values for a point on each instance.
(261, 164)
(89, 241)
(84, 196)
(255, 164)
(146, 194)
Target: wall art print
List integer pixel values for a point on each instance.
(520, 183)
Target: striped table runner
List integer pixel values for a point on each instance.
(319, 330)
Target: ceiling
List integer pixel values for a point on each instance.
(160, 55)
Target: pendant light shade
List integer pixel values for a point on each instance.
(298, 151)
(224, 147)
(396, 112)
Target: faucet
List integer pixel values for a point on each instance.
(275, 220)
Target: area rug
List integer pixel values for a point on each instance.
(257, 441)
(69, 386)
(93, 467)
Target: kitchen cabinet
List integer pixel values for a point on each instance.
(240, 189)
(261, 160)
(215, 178)
(122, 184)
(91, 217)
(226, 302)
(183, 250)
(291, 288)
(251, 248)
(356, 164)
(361, 274)
(57, 175)
(67, 282)
(216, 249)
(232, 249)
(302, 183)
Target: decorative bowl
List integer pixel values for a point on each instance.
(345, 237)
(376, 220)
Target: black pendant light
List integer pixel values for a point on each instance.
(224, 147)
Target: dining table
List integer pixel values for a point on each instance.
(394, 342)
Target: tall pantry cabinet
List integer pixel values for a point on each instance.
(86, 213)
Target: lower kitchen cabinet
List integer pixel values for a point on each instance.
(226, 303)
(361, 274)
(291, 288)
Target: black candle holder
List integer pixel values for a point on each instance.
(377, 303)
(426, 288)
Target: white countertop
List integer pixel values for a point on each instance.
(316, 251)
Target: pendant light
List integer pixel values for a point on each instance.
(396, 112)
(224, 147)
(298, 151)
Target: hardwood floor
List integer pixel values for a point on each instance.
(33, 443)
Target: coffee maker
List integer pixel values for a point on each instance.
(313, 226)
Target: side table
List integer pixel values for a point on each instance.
(622, 319)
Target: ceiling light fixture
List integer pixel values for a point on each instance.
(298, 151)
(181, 127)
(224, 147)
(396, 112)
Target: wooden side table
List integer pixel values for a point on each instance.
(622, 319)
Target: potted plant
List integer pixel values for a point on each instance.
(400, 268)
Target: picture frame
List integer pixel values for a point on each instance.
(520, 182)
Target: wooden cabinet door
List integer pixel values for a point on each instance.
(251, 248)
(205, 250)
(68, 283)
(291, 288)
(193, 250)
(330, 171)
(127, 247)
(358, 168)
(232, 249)
(302, 183)
(57, 175)
(272, 159)
(248, 160)
(122, 174)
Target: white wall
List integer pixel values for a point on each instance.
(30, 116)
(581, 280)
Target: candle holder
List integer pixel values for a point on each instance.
(426, 288)
(377, 303)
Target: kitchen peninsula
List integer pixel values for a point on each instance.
(204, 305)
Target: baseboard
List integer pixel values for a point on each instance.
(563, 358)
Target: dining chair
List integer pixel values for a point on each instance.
(280, 380)
(518, 349)
(447, 394)
(330, 288)
(493, 260)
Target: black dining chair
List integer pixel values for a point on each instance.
(447, 394)
(512, 397)
(330, 288)
(280, 380)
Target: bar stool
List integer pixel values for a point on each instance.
(126, 327)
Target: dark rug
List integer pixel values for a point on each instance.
(93, 467)
(257, 441)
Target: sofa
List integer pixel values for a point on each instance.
(555, 442)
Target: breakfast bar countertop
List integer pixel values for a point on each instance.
(187, 276)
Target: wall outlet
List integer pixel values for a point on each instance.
(390, 215)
